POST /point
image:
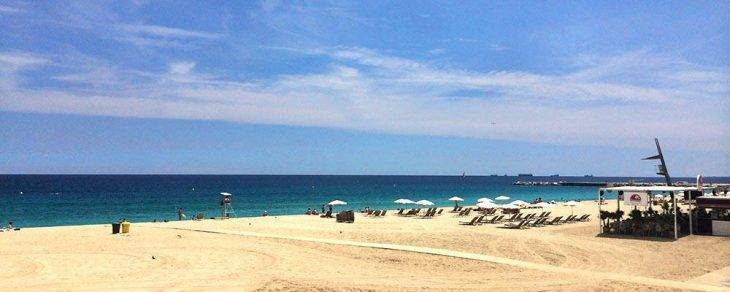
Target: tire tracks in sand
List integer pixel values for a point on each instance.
(479, 257)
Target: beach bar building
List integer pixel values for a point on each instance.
(644, 198)
(713, 212)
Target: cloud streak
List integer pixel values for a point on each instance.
(620, 100)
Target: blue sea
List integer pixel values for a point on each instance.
(51, 200)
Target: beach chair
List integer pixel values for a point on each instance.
(472, 222)
(585, 218)
(568, 219)
(547, 214)
(516, 226)
(467, 211)
(555, 220)
(440, 211)
(539, 222)
(383, 213)
(400, 211)
(376, 213)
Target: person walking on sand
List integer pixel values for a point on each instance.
(180, 214)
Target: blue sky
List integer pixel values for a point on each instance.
(374, 87)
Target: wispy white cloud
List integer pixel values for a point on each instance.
(143, 35)
(366, 90)
(10, 9)
(166, 32)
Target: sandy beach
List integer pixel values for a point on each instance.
(301, 252)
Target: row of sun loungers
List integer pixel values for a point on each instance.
(464, 212)
(530, 220)
(430, 212)
(376, 213)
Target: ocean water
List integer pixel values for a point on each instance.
(50, 200)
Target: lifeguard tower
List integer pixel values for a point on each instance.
(226, 208)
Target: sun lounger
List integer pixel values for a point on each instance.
(472, 222)
(585, 218)
(539, 222)
(519, 225)
(383, 213)
(568, 219)
(400, 211)
(440, 211)
(555, 220)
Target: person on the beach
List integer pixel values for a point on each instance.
(10, 225)
(322, 208)
(309, 211)
(180, 214)
(265, 214)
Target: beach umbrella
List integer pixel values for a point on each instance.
(519, 203)
(502, 198)
(659, 196)
(226, 194)
(509, 206)
(337, 202)
(403, 201)
(456, 200)
(571, 204)
(425, 203)
(484, 200)
(487, 205)
(542, 205)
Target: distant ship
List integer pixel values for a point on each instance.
(524, 174)
(494, 175)
(555, 175)
(588, 175)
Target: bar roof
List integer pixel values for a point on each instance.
(651, 188)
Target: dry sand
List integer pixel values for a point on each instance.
(391, 253)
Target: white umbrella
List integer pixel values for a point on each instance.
(509, 206)
(337, 202)
(226, 194)
(425, 203)
(571, 204)
(502, 198)
(487, 205)
(456, 200)
(542, 205)
(485, 200)
(519, 202)
(403, 201)
(659, 196)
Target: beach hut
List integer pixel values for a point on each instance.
(456, 200)
(424, 203)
